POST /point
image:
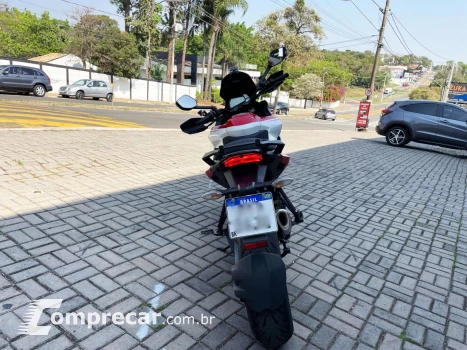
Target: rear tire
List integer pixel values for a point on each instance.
(272, 328)
(39, 90)
(397, 136)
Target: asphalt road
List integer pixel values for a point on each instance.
(14, 115)
(87, 102)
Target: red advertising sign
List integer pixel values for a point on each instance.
(363, 112)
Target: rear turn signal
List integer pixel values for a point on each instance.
(281, 182)
(246, 158)
(255, 245)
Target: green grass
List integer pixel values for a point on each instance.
(17, 161)
(159, 327)
(405, 338)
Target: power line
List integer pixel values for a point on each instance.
(331, 16)
(346, 41)
(402, 42)
(93, 9)
(346, 19)
(399, 32)
(342, 47)
(331, 27)
(447, 59)
(358, 8)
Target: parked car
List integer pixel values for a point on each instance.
(88, 88)
(406, 85)
(324, 113)
(282, 108)
(430, 122)
(388, 91)
(24, 80)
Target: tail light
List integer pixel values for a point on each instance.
(255, 245)
(246, 158)
(385, 111)
(49, 81)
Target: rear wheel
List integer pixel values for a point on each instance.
(272, 328)
(397, 136)
(39, 90)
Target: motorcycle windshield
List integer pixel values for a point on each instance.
(237, 84)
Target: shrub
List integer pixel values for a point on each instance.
(425, 93)
(216, 96)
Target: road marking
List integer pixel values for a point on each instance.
(18, 116)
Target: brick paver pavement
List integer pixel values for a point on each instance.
(110, 221)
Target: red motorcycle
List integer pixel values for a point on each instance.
(257, 216)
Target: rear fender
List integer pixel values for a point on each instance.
(260, 281)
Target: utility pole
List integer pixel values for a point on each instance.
(448, 85)
(322, 90)
(378, 49)
(148, 49)
(384, 87)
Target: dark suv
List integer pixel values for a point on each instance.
(431, 122)
(24, 80)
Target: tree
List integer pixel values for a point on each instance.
(98, 40)
(308, 86)
(219, 11)
(234, 45)
(143, 25)
(124, 7)
(189, 21)
(157, 72)
(24, 35)
(425, 93)
(296, 27)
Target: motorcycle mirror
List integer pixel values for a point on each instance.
(277, 56)
(191, 126)
(186, 103)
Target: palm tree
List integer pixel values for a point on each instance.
(124, 7)
(219, 11)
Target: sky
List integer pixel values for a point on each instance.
(437, 25)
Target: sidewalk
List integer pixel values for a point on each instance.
(110, 221)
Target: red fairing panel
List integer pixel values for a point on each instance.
(243, 119)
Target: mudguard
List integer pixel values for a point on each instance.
(260, 281)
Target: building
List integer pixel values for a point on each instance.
(193, 70)
(399, 74)
(63, 59)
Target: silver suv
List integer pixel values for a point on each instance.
(24, 80)
(88, 88)
(431, 122)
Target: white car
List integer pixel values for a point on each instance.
(88, 88)
(327, 114)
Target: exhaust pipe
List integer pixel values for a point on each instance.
(284, 223)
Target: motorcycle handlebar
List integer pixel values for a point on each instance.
(208, 118)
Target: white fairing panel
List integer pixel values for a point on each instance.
(273, 126)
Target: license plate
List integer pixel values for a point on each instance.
(251, 215)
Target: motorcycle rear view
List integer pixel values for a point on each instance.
(256, 216)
